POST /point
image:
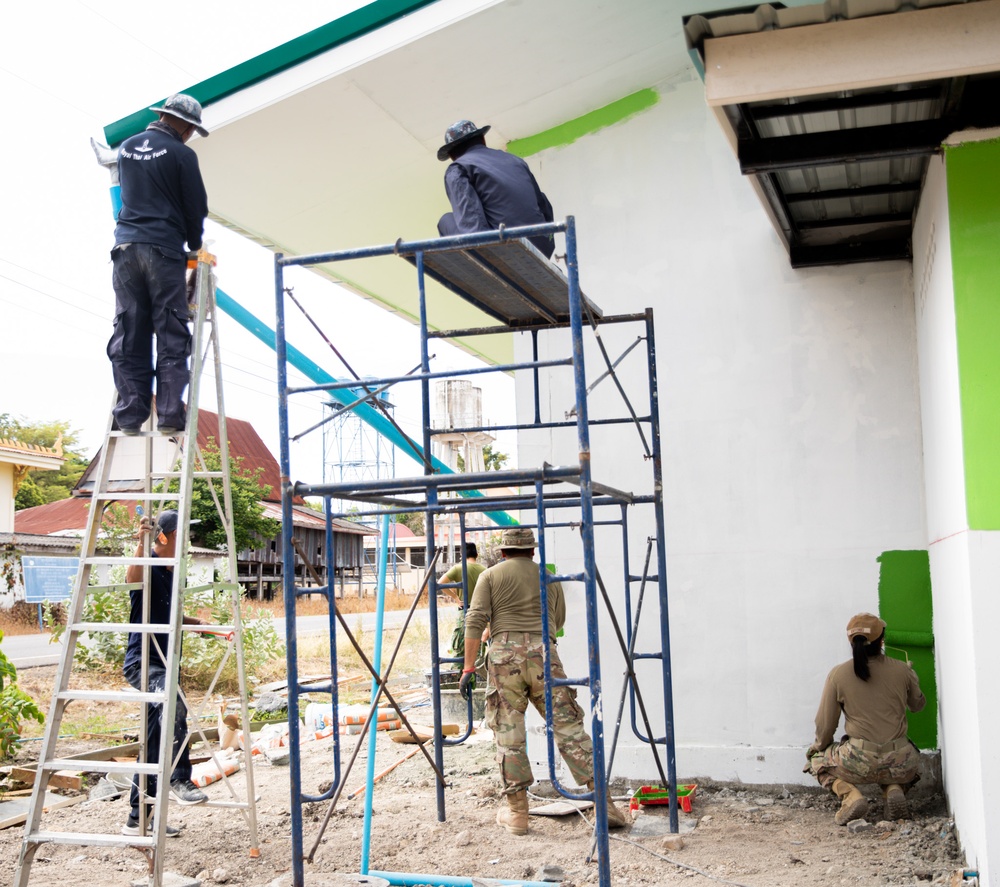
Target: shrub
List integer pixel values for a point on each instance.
(15, 706)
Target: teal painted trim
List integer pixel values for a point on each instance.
(342, 30)
(904, 601)
(568, 132)
(367, 413)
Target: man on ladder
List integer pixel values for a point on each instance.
(163, 206)
(182, 789)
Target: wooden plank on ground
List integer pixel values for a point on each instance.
(423, 733)
(68, 779)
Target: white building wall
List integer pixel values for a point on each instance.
(791, 435)
(964, 565)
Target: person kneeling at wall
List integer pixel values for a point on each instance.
(874, 693)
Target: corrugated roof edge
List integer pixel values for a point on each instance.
(348, 27)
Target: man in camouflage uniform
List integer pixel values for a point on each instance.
(507, 596)
(875, 749)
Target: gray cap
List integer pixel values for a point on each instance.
(517, 537)
(167, 521)
(185, 108)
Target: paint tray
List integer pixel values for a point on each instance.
(655, 795)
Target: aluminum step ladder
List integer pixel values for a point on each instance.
(171, 486)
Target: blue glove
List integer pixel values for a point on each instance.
(467, 684)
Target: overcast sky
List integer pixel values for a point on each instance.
(67, 69)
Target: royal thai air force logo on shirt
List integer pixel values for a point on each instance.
(145, 151)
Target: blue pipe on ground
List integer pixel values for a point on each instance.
(411, 880)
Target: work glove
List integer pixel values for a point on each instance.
(467, 684)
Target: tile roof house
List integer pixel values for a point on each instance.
(37, 528)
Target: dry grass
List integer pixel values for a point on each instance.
(110, 721)
(22, 618)
(315, 605)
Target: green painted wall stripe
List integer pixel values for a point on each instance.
(568, 132)
(904, 602)
(974, 214)
(341, 30)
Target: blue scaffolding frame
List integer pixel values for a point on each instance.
(532, 297)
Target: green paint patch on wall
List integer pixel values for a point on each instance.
(904, 602)
(568, 132)
(974, 216)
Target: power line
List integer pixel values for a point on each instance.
(35, 289)
(68, 286)
(131, 36)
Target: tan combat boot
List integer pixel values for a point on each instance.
(616, 819)
(895, 802)
(852, 803)
(514, 817)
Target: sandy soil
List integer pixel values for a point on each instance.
(755, 836)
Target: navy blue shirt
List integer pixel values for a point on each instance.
(489, 188)
(163, 196)
(160, 592)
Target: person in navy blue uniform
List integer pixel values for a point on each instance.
(163, 208)
(489, 188)
(161, 580)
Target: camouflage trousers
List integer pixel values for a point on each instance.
(515, 669)
(864, 763)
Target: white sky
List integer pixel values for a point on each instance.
(67, 69)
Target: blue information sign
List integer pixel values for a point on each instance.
(49, 578)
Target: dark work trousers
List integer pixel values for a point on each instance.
(447, 227)
(150, 298)
(154, 722)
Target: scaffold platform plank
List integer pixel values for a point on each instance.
(511, 281)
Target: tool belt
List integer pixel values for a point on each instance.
(879, 748)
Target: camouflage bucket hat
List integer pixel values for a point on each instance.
(458, 134)
(866, 625)
(185, 108)
(518, 537)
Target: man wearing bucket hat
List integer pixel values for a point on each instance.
(163, 207)
(873, 692)
(489, 188)
(508, 597)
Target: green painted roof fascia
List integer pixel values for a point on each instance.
(348, 27)
(568, 132)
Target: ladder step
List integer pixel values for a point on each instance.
(100, 766)
(90, 840)
(166, 474)
(109, 696)
(132, 561)
(180, 433)
(138, 497)
(137, 627)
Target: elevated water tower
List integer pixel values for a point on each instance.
(458, 408)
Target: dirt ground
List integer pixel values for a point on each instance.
(736, 834)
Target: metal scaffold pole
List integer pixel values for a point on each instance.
(502, 274)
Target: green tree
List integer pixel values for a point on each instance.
(493, 460)
(249, 522)
(42, 487)
(414, 520)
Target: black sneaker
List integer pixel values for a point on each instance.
(184, 791)
(168, 429)
(131, 828)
